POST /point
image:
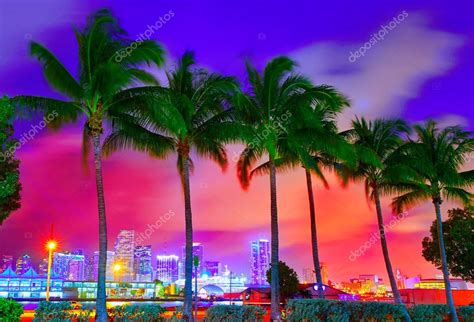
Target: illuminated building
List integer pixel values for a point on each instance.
(142, 264)
(259, 261)
(167, 268)
(69, 266)
(88, 268)
(400, 279)
(109, 266)
(198, 250)
(43, 267)
(23, 264)
(308, 276)
(7, 261)
(433, 283)
(212, 268)
(218, 285)
(28, 285)
(369, 284)
(324, 273)
(124, 254)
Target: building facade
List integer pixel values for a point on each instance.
(142, 264)
(167, 268)
(259, 261)
(124, 254)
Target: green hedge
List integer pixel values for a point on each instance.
(340, 311)
(467, 313)
(137, 313)
(61, 312)
(231, 313)
(10, 310)
(429, 312)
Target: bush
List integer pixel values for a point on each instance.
(138, 313)
(231, 313)
(326, 310)
(467, 313)
(429, 312)
(10, 310)
(61, 312)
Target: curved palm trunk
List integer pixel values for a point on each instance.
(275, 282)
(444, 261)
(101, 309)
(386, 257)
(314, 235)
(188, 265)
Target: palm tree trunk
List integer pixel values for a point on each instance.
(188, 265)
(314, 235)
(444, 261)
(386, 257)
(275, 281)
(101, 308)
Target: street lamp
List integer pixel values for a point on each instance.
(50, 246)
(117, 269)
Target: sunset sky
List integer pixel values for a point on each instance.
(423, 68)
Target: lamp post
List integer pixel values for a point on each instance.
(196, 264)
(50, 245)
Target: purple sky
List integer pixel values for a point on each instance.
(423, 68)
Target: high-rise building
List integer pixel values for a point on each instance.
(88, 268)
(212, 268)
(109, 266)
(7, 261)
(308, 275)
(69, 266)
(142, 264)
(198, 250)
(167, 268)
(43, 267)
(260, 261)
(124, 254)
(23, 264)
(324, 273)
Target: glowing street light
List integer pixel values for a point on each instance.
(50, 246)
(117, 268)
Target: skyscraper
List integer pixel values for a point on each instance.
(23, 264)
(309, 275)
(69, 266)
(198, 250)
(124, 254)
(260, 261)
(212, 268)
(109, 266)
(89, 268)
(7, 261)
(167, 268)
(43, 267)
(142, 264)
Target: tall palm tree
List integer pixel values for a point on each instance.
(375, 143)
(102, 79)
(267, 111)
(432, 163)
(188, 115)
(312, 141)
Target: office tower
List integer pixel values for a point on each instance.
(260, 261)
(198, 250)
(124, 254)
(23, 264)
(142, 264)
(88, 268)
(324, 273)
(7, 261)
(69, 266)
(180, 270)
(308, 275)
(212, 268)
(109, 266)
(43, 267)
(167, 268)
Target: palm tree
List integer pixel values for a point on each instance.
(103, 78)
(311, 141)
(188, 115)
(432, 163)
(375, 143)
(266, 111)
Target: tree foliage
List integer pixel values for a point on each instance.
(459, 241)
(288, 280)
(10, 186)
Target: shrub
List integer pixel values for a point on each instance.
(467, 313)
(231, 313)
(61, 312)
(138, 313)
(326, 310)
(429, 312)
(10, 310)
